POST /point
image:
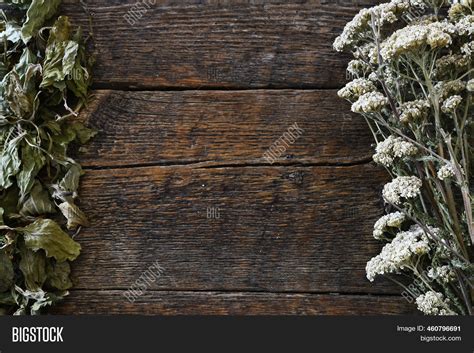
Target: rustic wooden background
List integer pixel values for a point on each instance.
(187, 100)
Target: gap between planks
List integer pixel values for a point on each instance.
(217, 165)
(126, 87)
(246, 291)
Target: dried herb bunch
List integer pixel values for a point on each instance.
(45, 76)
(413, 83)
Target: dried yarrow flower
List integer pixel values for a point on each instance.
(399, 253)
(451, 104)
(391, 220)
(413, 38)
(433, 303)
(358, 68)
(354, 89)
(470, 85)
(443, 274)
(414, 111)
(457, 11)
(422, 69)
(391, 148)
(446, 65)
(406, 187)
(448, 88)
(446, 172)
(371, 102)
(359, 28)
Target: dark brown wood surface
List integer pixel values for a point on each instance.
(222, 127)
(235, 303)
(186, 103)
(218, 44)
(279, 228)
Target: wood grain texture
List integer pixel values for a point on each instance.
(218, 303)
(222, 127)
(304, 229)
(288, 236)
(209, 44)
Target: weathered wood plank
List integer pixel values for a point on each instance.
(218, 303)
(235, 44)
(222, 127)
(304, 229)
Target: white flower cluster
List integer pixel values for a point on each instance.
(391, 148)
(470, 85)
(414, 110)
(433, 303)
(446, 172)
(433, 45)
(399, 254)
(459, 9)
(413, 37)
(358, 68)
(359, 26)
(468, 49)
(354, 89)
(371, 102)
(407, 187)
(446, 89)
(443, 274)
(445, 65)
(392, 220)
(451, 104)
(421, 4)
(465, 26)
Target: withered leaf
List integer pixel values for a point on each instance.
(58, 275)
(75, 217)
(6, 272)
(38, 202)
(33, 160)
(38, 12)
(33, 267)
(44, 82)
(60, 55)
(47, 235)
(9, 159)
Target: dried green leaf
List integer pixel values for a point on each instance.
(47, 235)
(61, 55)
(20, 101)
(38, 13)
(11, 32)
(75, 217)
(70, 182)
(9, 160)
(33, 267)
(6, 272)
(32, 161)
(38, 202)
(43, 85)
(32, 302)
(58, 275)
(9, 201)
